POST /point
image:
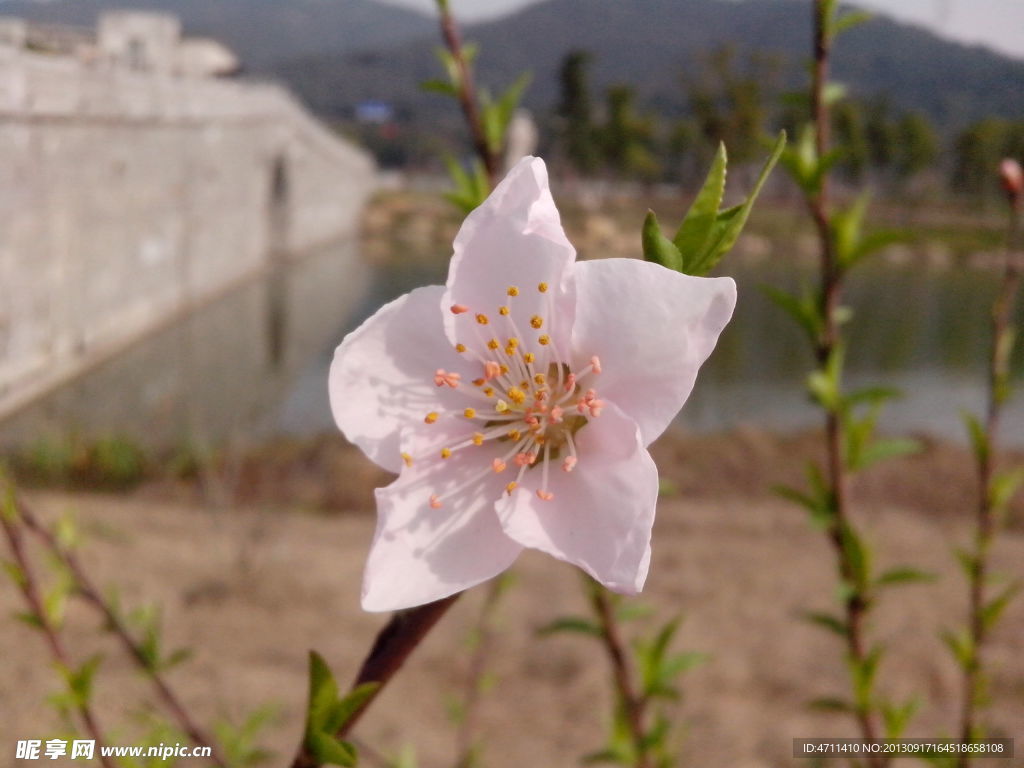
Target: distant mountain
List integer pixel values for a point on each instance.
(262, 32)
(654, 44)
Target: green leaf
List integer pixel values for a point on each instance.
(898, 717)
(471, 189)
(830, 704)
(80, 680)
(575, 624)
(696, 228)
(850, 20)
(880, 450)
(443, 87)
(323, 693)
(857, 556)
(827, 621)
(331, 751)
(496, 115)
(729, 224)
(979, 437)
(994, 609)
(904, 575)
(1004, 487)
(352, 703)
(803, 309)
(961, 646)
(657, 247)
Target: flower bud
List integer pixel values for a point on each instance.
(1012, 178)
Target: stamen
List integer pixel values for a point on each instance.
(458, 309)
(430, 418)
(501, 406)
(407, 459)
(498, 465)
(529, 357)
(536, 321)
(460, 348)
(570, 382)
(569, 463)
(493, 344)
(478, 438)
(442, 377)
(514, 434)
(491, 370)
(503, 310)
(469, 413)
(595, 363)
(489, 391)
(545, 495)
(555, 416)
(482, 319)
(544, 340)
(543, 287)
(511, 487)
(435, 501)
(479, 382)
(446, 453)
(517, 396)
(513, 290)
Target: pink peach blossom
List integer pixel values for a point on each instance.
(516, 402)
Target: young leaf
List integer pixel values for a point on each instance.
(827, 621)
(696, 227)
(881, 450)
(830, 704)
(1004, 487)
(979, 438)
(904, 575)
(992, 610)
(803, 309)
(657, 247)
(575, 624)
(729, 223)
(897, 717)
(352, 703)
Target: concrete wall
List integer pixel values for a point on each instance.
(126, 198)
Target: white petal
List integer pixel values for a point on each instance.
(514, 238)
(382, 377)
(601, 515)
(421, 554)
(652, 329)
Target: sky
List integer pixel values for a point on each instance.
(998, 24)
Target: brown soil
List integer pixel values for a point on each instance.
(254, 583)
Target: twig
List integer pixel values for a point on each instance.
(29, 588)
(484, 635)
(855, 605)
(88, 591)
(633, 703)
(985, 523)
(467, 94)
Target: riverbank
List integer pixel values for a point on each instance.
(257, 559)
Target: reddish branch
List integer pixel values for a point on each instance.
(632, 702)
(26, 582)
(999, 364)
(855, 605)
(466, 90)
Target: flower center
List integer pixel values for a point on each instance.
(527, 398)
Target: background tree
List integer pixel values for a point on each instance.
(917, 146)
(578, 131)
(627, 137)
(851, 137)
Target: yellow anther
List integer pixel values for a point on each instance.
(407, 459)
(524, 384)
(503, 368)
(501, 406)
(482, 319)
(514, 434)
(536, 321)
(460, 348)
(513, 290)
(539, 378)
(513, 342)
(479, 382)
(469, 413)
(493, 344)
(543, 287)
(511, 487)
(430, 418)
(478, 438)
(544, 340)
(510, 350)
(446, 453)
(502, 310)
(540, 439)
(489, 391)
(529, 357)
(517, 396)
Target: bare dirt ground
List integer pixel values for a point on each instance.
(253, 583)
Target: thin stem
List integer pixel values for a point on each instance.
(92, 595)
(633, 703)
(855, 606)
(467, 95)
(30, 591)
(985, 523)
(483, 642)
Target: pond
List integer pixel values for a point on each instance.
(253, 364)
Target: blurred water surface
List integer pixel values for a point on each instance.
(254, 363)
